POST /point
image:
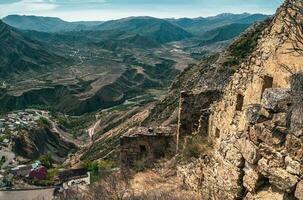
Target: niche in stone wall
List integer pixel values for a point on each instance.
(217, 133)
(143, 151)
(239, 102)
(267, 83)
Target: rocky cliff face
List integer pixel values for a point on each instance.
(256, 128)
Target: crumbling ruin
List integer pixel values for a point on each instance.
(194, 111)
(256, 129)
(143, 146)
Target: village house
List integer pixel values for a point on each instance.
(21, 170)
(38, 173)
(24, 170)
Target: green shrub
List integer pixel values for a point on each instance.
(43, 122)
(96, 166)
(195, 146)
(51, 174)
(140, 165)
(46, 160)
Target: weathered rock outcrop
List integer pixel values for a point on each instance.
(256, 128)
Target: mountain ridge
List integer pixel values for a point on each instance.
(19, 53)
(158, 29)
(46, 24)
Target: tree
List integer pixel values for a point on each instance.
(46, 160)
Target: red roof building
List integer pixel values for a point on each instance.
(39, 173)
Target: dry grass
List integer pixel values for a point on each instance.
(147, 185)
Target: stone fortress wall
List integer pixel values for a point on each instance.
(256, 129)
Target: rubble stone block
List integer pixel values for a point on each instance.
(264, 113)
(280, 119)
(294, 147)
(275, 159)
(292, 166)
(276, 99)
(253, 134)
(249, 151)
(252, 180)
(268, 193)
(299, 191)
(274, 137)
(296, 120)
(253, 113)
(278, 177)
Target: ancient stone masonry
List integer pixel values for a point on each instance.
(256, 129)
(194, 111)
(143, 146)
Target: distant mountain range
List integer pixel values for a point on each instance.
(158, 29)
(161, 30)
(198, 26)
(79, 67)
(46, 24)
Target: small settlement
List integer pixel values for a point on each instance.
(11, 123)
(23, 174)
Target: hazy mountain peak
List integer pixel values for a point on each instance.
(46, 24)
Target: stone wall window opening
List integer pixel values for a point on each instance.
(143, 150)
(239, 102)
(217, 133)
(267, 83)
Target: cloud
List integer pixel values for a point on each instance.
(72, 10)
(26, 7)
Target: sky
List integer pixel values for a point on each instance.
(100, 10)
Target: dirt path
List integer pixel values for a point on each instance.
(92, 130)
(153, 183)
(45, 194)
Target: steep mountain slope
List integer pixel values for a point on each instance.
(46, 24)
(158, 29)
(223, 33)
(19, 54)
(212, 73)
(31, 144)
(254, 132)
(247, 143)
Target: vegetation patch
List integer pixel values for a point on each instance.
(195, 146)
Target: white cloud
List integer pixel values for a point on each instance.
(26, 7)
(74, 10)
